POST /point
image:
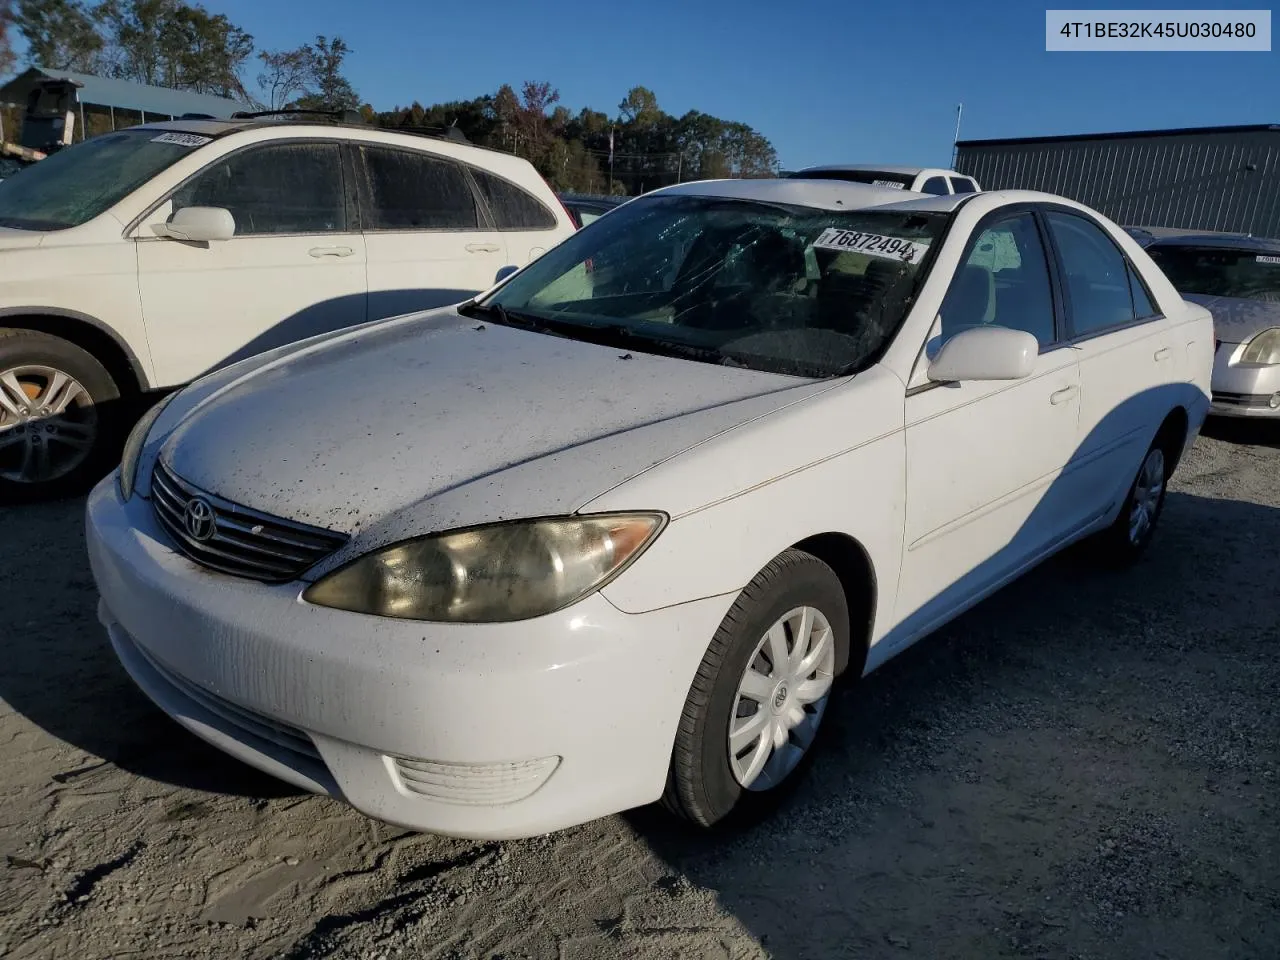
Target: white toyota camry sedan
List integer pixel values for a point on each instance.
(609, 533)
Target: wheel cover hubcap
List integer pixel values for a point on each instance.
(48, 423)
(1147, 491)
(781, 698)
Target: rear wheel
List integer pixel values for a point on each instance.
(761, 691)
(1127, 538)
(58, 416)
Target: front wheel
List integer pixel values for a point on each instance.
(760, 693)
(56, 416)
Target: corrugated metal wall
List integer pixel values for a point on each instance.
(1220, 181)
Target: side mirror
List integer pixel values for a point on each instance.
(504, 272)
(986, 353)
(201, 224)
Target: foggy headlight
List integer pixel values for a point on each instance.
(1263, 348)
(133, 447)
(490, 574)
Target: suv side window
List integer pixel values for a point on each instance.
(963, 185)
(1097, 275)
(1004, 282)
(275, 188)
(409, 190)
(511, 207)
(937, 186)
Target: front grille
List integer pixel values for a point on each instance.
(236, 540)
(238, 718)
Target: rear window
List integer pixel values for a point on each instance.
(1217, 272)
(511, 207)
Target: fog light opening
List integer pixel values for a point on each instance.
(1274, 402)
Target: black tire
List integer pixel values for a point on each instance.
(701, 785)
(27, 348)
(1118, 546)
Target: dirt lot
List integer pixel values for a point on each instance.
(1084, 766)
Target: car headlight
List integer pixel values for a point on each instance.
(133, 447)
(491, 574)
(1263, 348)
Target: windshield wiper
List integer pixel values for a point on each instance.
(497, 313)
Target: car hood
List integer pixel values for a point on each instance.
(362, 426)
(11, 239)
(1236, 319)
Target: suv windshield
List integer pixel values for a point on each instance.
(1218, 272)
(783, 289)
(76, 184)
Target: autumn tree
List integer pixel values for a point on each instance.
(6, 48)
(285, 75)
(328, 89)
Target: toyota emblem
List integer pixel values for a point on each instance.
(199, 519)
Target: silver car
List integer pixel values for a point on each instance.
(1238, 279)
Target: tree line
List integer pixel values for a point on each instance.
(172, 43)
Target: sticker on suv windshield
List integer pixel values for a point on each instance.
(1262, 258)
(872, 244)
(183, 139)
(891, 184)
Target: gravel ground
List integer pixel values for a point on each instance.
(1085, 766)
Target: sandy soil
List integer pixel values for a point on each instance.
(1083, 767)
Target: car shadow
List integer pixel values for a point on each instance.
(1244, 431)
(912, 806)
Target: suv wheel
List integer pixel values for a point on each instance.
(57, 416)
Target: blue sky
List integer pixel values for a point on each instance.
(848, 81)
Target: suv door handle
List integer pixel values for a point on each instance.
(483, 248)
(1060, 396)
(319, 252)
(1162, 354)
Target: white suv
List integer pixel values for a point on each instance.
(933, 180)
(138, 260)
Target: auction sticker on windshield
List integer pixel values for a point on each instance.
(1263, 258)
(183, 139)
(891, 184)
(872, 244)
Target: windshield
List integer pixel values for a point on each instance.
(783, 289)
(79, 182)
(1217, 272)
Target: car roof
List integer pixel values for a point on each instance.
(1219, 241)
(874, 168)
(821, 194)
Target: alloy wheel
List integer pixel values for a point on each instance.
(1147, 491)
(48, 424)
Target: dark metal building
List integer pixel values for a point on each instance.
(1201, 178)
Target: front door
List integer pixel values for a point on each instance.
(294, 268)
(428, 241)
(985, 459)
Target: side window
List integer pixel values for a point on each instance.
(963, 185)
(1097, 275)
(276, 188)
(1143, 306)
(414, 191)
(936, 185)
(513, 208)
(1004, 281)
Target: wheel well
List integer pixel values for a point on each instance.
(1174, 434)
(847, 557)
(103, 347)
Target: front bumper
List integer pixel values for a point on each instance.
(481, 731)
(1244, 389)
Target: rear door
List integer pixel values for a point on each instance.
(528, 226)
(428, 238)
(294, 268)
(1128, 364)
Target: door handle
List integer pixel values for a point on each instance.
(1162, 354)
(1060, 396)
(483, 248)
(319, 252)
